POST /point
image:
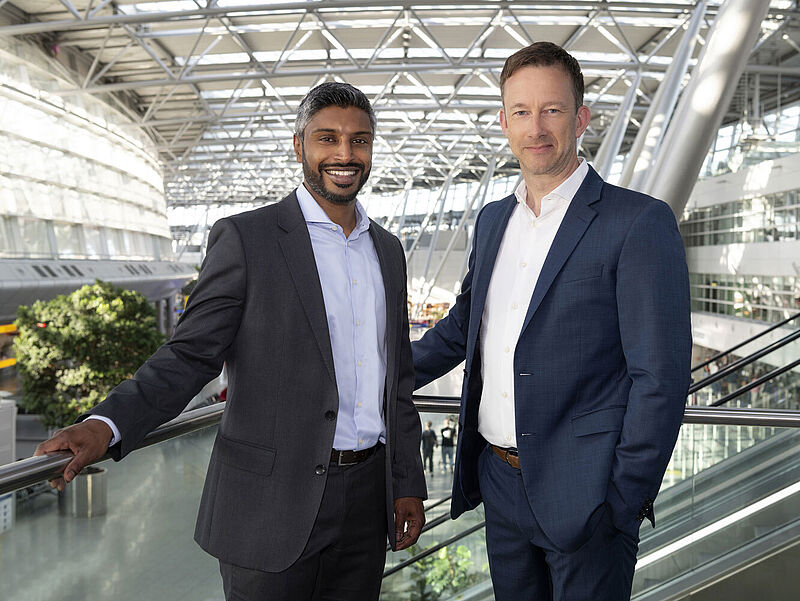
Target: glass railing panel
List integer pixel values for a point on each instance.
(141, 548)
(459, 570)
(440, 479)
(738, 484)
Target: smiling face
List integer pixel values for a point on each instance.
(541, 123)
(336, 153)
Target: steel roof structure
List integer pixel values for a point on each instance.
(215, 83)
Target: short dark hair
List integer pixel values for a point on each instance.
(545, 54)
(331, 93)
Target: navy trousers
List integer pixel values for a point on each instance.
(526, 566)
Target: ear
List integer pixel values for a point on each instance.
(503, 122)
(582, 122)
(298, 149)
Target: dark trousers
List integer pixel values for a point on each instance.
(447, 458)
(345, 554)
(526, 566)
(427, 459)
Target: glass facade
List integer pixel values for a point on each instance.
(767, 218)
(765, 298)
(753, 140)
(78, 179)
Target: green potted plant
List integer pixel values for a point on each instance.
(73, 349)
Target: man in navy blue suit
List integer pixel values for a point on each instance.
(574, 323)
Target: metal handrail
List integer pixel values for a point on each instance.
(33, 470)
(748, 341)
(27, 472)
(431, 550)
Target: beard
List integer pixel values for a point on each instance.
(314, 179)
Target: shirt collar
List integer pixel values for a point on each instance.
(313, 213)
(565, 192)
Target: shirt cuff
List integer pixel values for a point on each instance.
(117, 436)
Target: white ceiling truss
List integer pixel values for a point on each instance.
(216, 83)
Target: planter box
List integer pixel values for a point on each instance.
(85, 496)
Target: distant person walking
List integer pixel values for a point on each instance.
(448, 434)
(429, 442)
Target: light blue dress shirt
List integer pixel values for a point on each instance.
(355, 306)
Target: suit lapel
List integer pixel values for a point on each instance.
(576, 220)
(485, 262)
(389, 272)
(295, 244)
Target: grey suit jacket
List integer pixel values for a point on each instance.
(258, 306)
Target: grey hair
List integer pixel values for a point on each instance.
(331, 93)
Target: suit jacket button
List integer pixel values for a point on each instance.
(320, 470)
(330, 415)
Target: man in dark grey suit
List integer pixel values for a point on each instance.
(317, 455)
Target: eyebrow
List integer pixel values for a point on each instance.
(557, 103)
(330, 130)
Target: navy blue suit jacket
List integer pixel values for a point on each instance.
(601, 365)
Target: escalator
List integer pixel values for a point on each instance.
(730, 500)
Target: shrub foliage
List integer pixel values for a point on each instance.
(72, 350)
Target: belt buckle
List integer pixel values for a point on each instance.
(341, 463)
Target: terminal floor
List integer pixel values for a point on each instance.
(142, 549)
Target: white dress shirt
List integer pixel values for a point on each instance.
(526, 242)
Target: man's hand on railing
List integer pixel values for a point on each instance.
(88, 442)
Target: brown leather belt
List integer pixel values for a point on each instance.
(510, 456)
(351, 457)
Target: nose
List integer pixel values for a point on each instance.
(535, 126)
(344, 151)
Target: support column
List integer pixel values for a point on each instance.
(481, 192)
(705, 101)
(468, 249)
(402, 220)
(614, 135)
(426, 219)
(160, 321)
(171, 319)
(647, 141)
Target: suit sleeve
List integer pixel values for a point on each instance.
(163, 386)
(407, 473)
(655, 329)
(445, 345)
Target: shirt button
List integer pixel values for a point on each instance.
(360, 364)
(330, 415)
(319, 470)
(523, 264)
(505, 395)
(358, 322)
(533, 224)
(355, 281)
(515, 306)
(360, 404)
(508, 437)
(360, 441)
(334, 228)
(507, 349)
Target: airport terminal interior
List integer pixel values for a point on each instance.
(128, 128)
